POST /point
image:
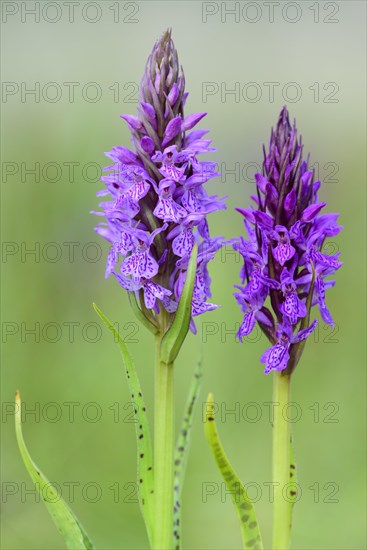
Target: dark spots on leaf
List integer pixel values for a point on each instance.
(245, 506)
(245, 518)
(141, 455)
(177, 462)
(140, 427)
(251, 542)
(184, 432)
(140, 394)
(140, 480)
(150, 468)
(144, 409)
(210, 418)
(293, 467)
(252, 525)
(293, 493)
(141, 436)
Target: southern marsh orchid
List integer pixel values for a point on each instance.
(285, 272)
(155, 208)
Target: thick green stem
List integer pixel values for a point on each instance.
(282, 509)
(163, 454)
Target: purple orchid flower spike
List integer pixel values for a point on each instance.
(156, 206)
(283, 258)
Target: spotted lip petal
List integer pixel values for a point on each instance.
(286, 235)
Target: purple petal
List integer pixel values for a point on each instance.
(264, 219)
(247, 325)
(290, 202)
(261, 182)
(126, 283)
(247, 213)
(132, 121)
(271, 193)
(191, 121)
(122, 154)
(325, 313)
(283, 252)
(111, 260)
(140, 264)
(293, 308)
(194, 135)
(149, 111)
(183, 243)
(149, 297)
(173, 94)
(311, 211)
(172, 129)
(201, 307)
(306, 177)
(275, 358)
(169, 305)
(147, 144)
(305, 333)
(169, 211)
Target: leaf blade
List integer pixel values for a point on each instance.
(145, 477)
(182, 450)
(73, 533)
(176, 334)
(245, 510)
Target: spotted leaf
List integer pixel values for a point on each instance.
(244, 508)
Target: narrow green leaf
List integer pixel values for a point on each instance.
(66, 522)
(144, 447)
(182, 451)
(245, 510)
(176, 334)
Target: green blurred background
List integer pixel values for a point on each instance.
(325, 45)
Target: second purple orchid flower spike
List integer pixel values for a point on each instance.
(285, 272)
(283, 256)
(157, 204)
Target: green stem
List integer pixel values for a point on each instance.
(282, 509)
(163, 454)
